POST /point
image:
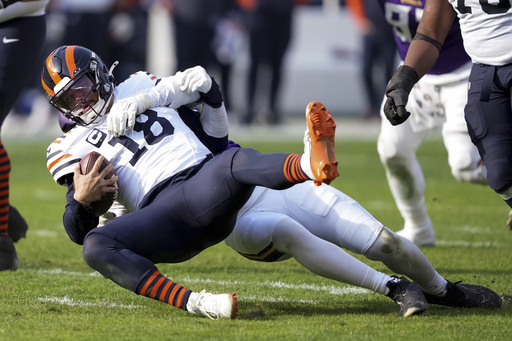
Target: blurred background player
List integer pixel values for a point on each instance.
(486, 31)
(269, 25)
(437, 101)
(379, 51)
(22, 30)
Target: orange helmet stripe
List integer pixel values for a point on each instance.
(51, 71)
(70, 60)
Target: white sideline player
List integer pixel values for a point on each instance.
(437, 101)
(275, 225)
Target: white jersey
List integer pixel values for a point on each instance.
(159, 146)
(486, 28)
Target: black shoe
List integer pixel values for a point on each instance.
(408, 296)
(466, 296)
(8, 256)
(16, 226)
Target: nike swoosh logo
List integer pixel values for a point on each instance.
(7, 41)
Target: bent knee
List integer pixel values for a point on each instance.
(389, 242)
(289, 234)
(94, 246)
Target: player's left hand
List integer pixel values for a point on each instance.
(394, 108)
(397, 93)
(195, 79)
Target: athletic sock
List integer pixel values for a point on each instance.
(5, 171)
(293, 170)
(160, 288)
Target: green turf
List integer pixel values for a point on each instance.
(55, 296)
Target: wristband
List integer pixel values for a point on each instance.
(420, 36)
(213, 97)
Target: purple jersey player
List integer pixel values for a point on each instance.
(486, 29)
(437, 101)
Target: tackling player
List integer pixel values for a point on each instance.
(183, 199)
(486, 30)
(437, 101)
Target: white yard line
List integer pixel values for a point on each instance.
(72, 302)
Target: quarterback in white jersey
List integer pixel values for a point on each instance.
(487, 32)
(183, 199)
(139, 162)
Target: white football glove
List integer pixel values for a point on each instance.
(195, 79)
(124, 112)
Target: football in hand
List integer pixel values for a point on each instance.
(102, 205)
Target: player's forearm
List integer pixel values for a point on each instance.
(168, 93)
(436, 22)
(421, 56)
(215, 121)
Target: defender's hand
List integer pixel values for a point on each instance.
(195, 80)
(397, 93)
(394, 108)
(124, 112)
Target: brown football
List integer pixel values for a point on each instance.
(86, 164)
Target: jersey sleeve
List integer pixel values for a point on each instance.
(78, 220)
(138, 81)
(61, 162)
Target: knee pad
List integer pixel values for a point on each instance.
(387, 243)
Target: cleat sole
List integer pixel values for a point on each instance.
(321, 131)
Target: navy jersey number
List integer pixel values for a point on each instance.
(501, 7)
(154, 129)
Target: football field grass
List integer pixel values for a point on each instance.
(55, 296)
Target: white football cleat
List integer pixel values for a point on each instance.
(213, 306)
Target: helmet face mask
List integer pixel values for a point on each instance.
(78, 100)
(78, 84)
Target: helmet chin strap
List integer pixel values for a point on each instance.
(101, 108)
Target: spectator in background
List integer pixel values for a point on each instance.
(207, 33)
(23, 28)
(269, 23)
(87, 24)
(227, 41)
(379, 51)
(193, 32)
(128, 34)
